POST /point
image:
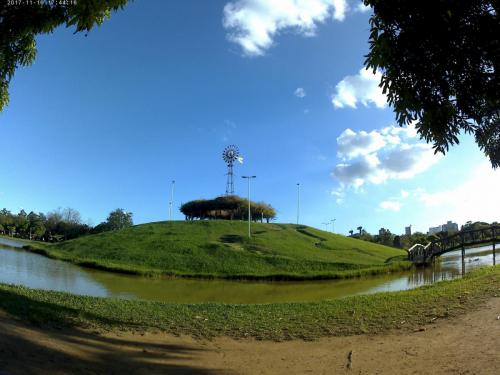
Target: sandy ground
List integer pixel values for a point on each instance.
(466, 345)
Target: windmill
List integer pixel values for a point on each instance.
(230, 155)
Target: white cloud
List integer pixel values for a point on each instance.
(351, 144)
(390, 205)
(254, 23)
(378, 156)
(358, 172)
(362, 8)
(340, 8)
(361, 88)
(397, 133)
(406, 161)
(475, 199)
(395, 203)
(299, 92)
(339, 195)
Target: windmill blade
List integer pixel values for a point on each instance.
(240, 159)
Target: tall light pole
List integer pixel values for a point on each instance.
(298, 202)
(171, 203)
(326, 226)
(249, 219)
(333, 225)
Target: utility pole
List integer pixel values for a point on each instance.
(333, 225)
(249, 212)
(326, 226)
(171, 203)
(298, 202)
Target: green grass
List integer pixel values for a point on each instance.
(372, 314)
(222, 249)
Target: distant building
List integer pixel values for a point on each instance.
(408, 231)
(448, 227)
(434, 230)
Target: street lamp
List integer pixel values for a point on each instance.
(298, 202)
(333, 225)
(326, 226)
(248, 181)
(171, 203)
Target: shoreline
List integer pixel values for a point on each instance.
(129, 270)
(372, 314)
(206, 251)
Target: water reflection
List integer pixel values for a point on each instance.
(448, 266)
(23, 268)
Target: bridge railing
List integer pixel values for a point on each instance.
(422, 253)
(468, 237)
(419, 251)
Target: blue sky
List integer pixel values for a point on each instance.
(159, 90)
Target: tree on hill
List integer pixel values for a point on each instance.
(440, 66)
(119, 219)
(22, 21)
(262, 211)
(230, 207)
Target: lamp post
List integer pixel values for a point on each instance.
(298, 202)
(333, 225)
(171, 203)
(326, 226)
(249, 214)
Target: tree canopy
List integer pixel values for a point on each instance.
(57, 225)
(439, 62)
(230, 207)
(21, 21)
(119, 219)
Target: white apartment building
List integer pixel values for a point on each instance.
(448, 227)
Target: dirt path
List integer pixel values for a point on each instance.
(465, 345)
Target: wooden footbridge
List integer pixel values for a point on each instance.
(424, 254)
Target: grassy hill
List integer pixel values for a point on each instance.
(222, 249)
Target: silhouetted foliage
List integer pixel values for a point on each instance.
(440, 65)
(22, 21)
(396, 242)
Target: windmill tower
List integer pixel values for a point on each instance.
(230, 155)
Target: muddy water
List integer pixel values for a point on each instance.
(24, 268)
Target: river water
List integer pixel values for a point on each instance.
(36, 271)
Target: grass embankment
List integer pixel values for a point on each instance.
(222, 249)
(353, 315)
